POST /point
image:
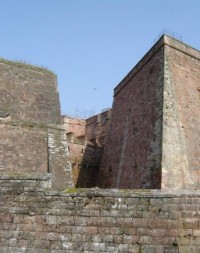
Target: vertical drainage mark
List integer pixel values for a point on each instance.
(123, 151)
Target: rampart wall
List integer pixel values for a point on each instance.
(29, 93)
(97, 128)
(23, 148)
(154, 135)
(86, 138)
(153, 142)
(132, 153)
(38, 220)
(181, 118)
(32, 139)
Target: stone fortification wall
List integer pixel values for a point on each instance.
(154, 135)
(59, 164)
(181, 120)
(28, 93)
(97, 128)
(35, 219)
(31, 138)
(132, 153)
(86, 139)
(23, 147)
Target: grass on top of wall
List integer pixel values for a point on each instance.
(23, 64)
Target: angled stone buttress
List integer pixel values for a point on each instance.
(32, 140)
(154, 137)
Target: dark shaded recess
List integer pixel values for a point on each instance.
(89, 168)
(4, 114)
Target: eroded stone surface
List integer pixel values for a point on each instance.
(4, 114)
(153, 140)
(29, 103)
(37, 219)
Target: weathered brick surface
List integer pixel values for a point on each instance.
(153, 140)
(28, 93)
(97, 128)
(23, 148)
(35, 219)
(132, 153)
(181, 120)
(75, 132)
(86, 139)
(29, 103)
(58, 157)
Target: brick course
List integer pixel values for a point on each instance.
(153, 141)
(86, 139)
(181, 119)
(132, 153)
(29, 93)
(37, 219)
(31, 138)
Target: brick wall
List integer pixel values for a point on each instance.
(23, 147)
(132, 153)
(147, 221)
(31, 139)
(86, 139)
(97, 128)
(59, 164)
(29, 93)
(181, 131)
(153, 140)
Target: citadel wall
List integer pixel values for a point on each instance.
(35, 218)
(153, 140)
(181, 118)
(38, 220)
(132, 153)
(75, 132)
(85, 142)
(32, 140)
(97, 128)
(29, 93)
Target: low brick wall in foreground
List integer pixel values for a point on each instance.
(35, 219)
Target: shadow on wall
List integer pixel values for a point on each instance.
(86, 139)
(88, 170)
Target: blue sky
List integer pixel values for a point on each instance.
(91, 44)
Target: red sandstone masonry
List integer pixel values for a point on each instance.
(132, 153)
(29, 93)
(96, 220)
(85, 142)
(181, 120)
(153, 140)
(29, 103)
(33, 218)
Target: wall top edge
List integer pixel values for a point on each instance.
(25, 176)
(26, 66)
(182, 47)
(165, 40)
(29, 124)
(132, 193)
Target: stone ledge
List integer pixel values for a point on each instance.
(164, 40)
(19, 64)
(96, 192)
(29, 124)
(26, 176)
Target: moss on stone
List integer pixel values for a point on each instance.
(74, 190)
(24, 65)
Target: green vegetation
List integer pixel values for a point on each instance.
(74, 190)
(21, 64)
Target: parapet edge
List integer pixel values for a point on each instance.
(165, 40)
(154, 49)
(123, 193)
(27, 66)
